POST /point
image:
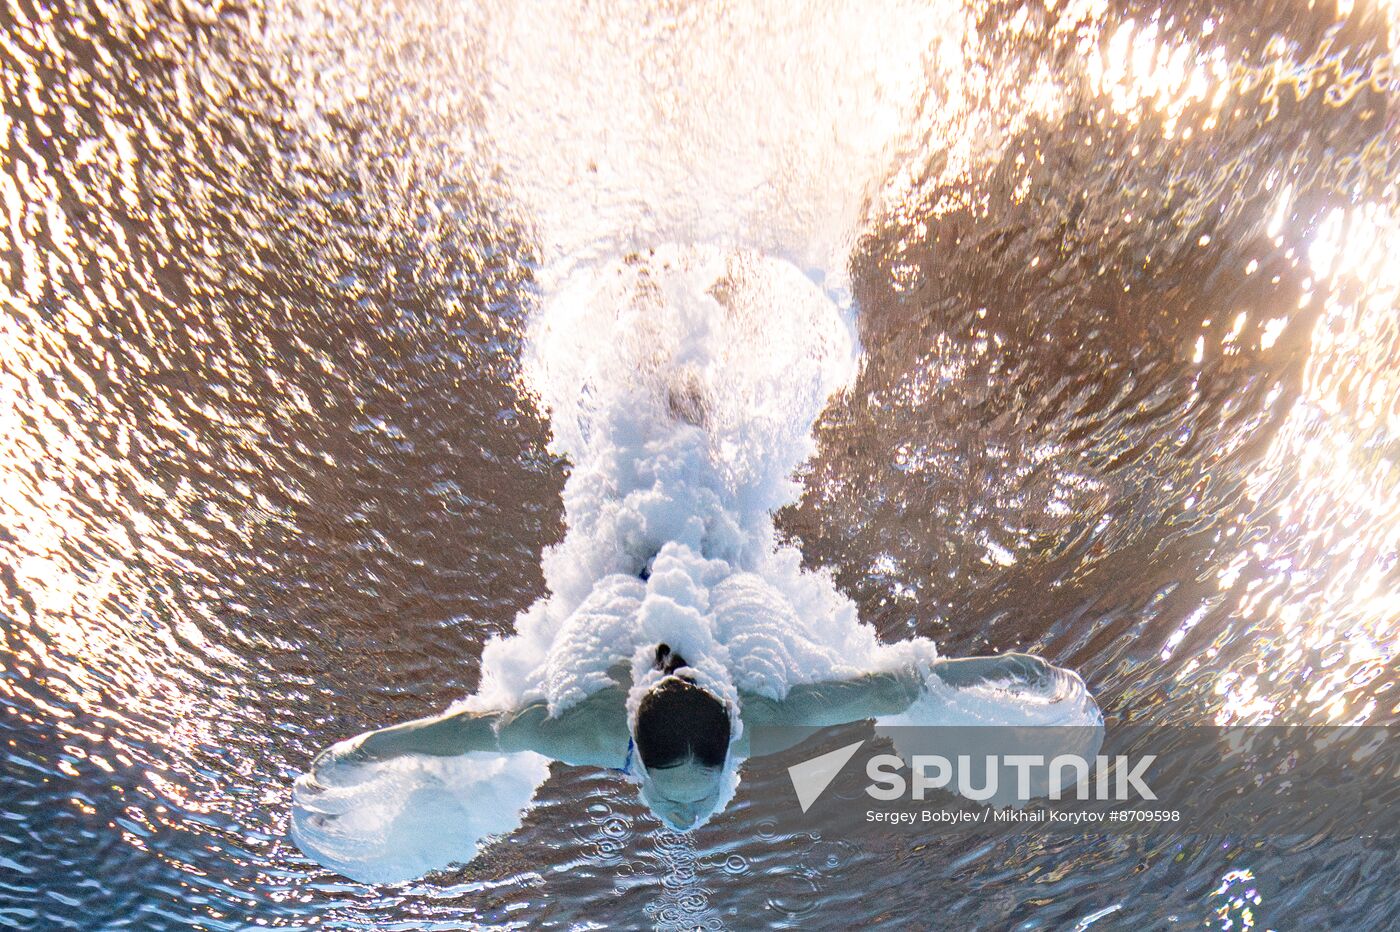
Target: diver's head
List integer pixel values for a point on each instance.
(682, 739)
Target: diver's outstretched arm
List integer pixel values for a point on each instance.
(809, 707)
(591, 733)
(1025, 674)
(835, 702)
(878, 695)
(444, 735)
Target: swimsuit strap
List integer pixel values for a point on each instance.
(626, 766)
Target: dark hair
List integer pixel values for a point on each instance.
(678, 720)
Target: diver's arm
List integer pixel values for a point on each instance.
(837, 702)
(590, 733)
(875, 695)
(809, 707)
(442, 735)
(1020, 673)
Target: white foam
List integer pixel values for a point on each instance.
(683, 386)
(1062, 701)
(399, 819)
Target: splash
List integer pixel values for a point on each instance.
(695, 182)
(400, 819)
(682, 385)
(694, 185)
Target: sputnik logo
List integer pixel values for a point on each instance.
(811, 777)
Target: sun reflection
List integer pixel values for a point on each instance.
(1237, 898)
(92, 541)
(1140, 68)
(1321, 590)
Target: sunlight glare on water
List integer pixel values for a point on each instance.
(1125, 281)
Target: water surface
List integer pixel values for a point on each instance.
(1129, 307)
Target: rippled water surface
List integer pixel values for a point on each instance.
(1130, 398)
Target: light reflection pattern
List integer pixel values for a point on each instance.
(1129, 297)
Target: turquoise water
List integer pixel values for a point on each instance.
(1127, 302)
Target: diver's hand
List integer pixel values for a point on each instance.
(1033, 675)
(340, 756)
(1032, 670)
(1006, 689)
(1023, 671)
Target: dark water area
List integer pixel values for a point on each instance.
(1128, 399)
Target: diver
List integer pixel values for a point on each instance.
(678, 626)
(680, 743)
